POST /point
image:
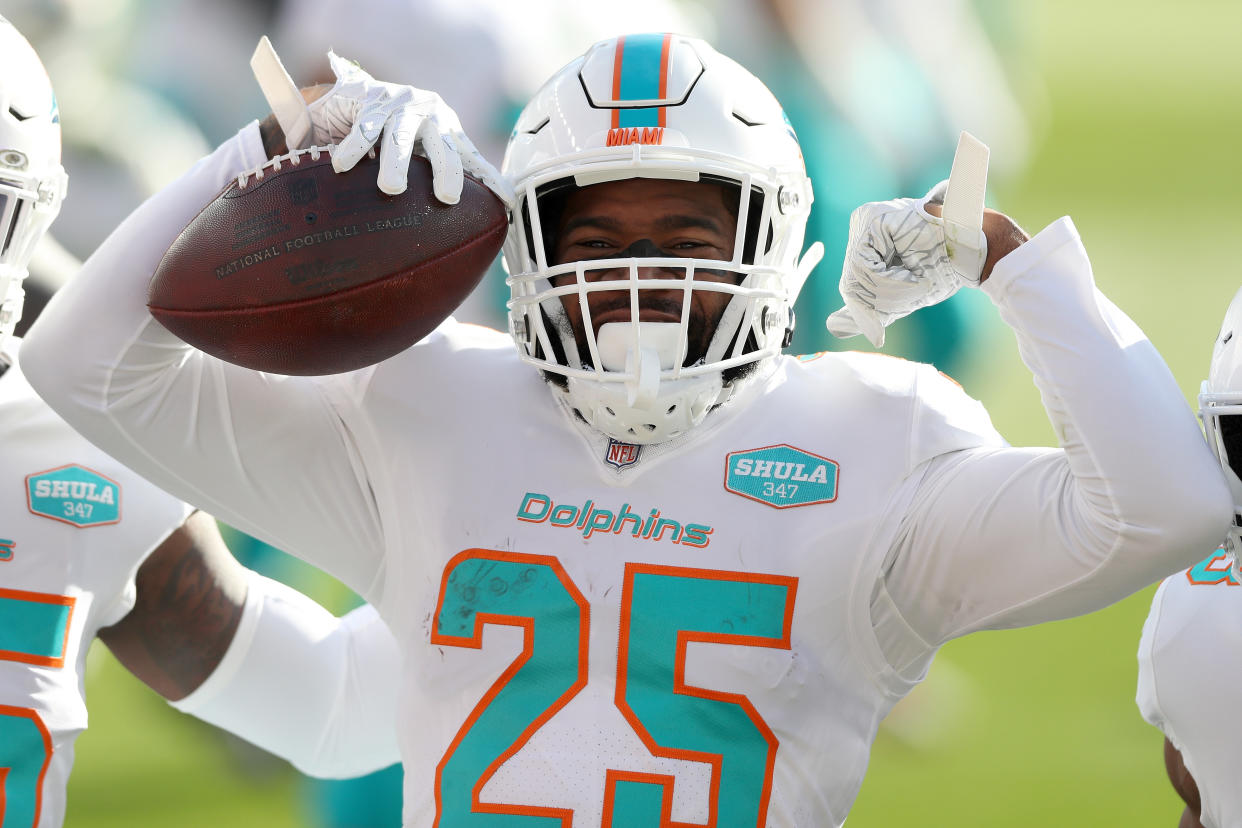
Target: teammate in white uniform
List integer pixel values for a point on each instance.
(1189, 653)
(684, 587)
(90, 549)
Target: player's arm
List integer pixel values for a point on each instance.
(191, 592)
(270, 455)
(1005, 537)
(260, 659)
(997, 537)
(1003, 236)
(196, 427)
(317, 690)
(1184, 784)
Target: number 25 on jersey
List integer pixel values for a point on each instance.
(663, 609)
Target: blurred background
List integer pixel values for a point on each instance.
(1124, 116)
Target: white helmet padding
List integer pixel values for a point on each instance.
(667, 107)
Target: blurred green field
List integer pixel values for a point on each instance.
(1025, 728)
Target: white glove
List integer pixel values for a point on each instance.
(900, 258)
(360, 110)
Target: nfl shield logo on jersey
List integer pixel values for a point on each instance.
(622, 454)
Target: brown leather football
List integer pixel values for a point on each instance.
(308, 271)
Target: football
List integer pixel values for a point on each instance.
(296, 269)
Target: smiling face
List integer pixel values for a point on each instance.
(648, 217)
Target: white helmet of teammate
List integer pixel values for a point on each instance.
(1220, 407)
(670, 107)
(32, 181)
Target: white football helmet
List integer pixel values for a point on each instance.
(32, 181)
(669, 107)
(1220, 408)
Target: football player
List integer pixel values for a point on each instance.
(642, 567)
(1193, 634)
(88, 549)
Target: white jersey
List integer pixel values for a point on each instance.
(1190, 678)
(707, 631)
(692, 605)
(74, 527)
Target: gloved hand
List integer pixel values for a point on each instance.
(900, 258)
(359, 110)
